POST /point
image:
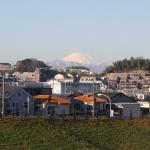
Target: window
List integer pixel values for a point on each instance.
(14, 104)
(25, 104)
(51, 110)
(7, 104)
(19, 94)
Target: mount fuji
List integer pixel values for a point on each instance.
(79, 59)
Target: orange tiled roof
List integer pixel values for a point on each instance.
(53, 99)
(41, 97)
(59, 100)
(87, 98)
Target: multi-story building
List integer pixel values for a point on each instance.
(78, 69)
(29, 76)
(5, 66)
(68, 86)
(131, 82)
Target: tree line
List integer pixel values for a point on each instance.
(128, 65)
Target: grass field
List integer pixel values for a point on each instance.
(39, 133)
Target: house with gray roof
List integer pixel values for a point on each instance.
(122, 104)
(17, 102)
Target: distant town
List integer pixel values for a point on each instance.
(74, 75)
(32, 88)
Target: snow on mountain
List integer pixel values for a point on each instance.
(80, 58)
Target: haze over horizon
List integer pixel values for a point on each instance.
(49, 30)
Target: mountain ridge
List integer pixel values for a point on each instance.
(79, 59)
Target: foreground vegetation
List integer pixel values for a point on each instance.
(39, 133)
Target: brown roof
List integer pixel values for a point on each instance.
(41, 96)
(59, 100)
(87, 98)
(52, 99)
(41, 101)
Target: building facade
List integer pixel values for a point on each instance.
(5, 66)
(19, 103)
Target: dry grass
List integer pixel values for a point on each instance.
(41, 133)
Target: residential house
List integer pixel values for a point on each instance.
(145, 106)
(17, 102)
(124, 105)
(84, 104)
(46, 105)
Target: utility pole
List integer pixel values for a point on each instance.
(93, 112)
(65, 85)
(149, 108)
(3, 96)
(28, 104)
(53, 86)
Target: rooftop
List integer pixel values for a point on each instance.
(88, 98)
(53, 99)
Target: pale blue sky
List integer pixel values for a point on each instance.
(50, 29)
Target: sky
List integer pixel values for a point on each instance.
(107, 30)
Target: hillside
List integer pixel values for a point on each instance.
(126, 65)
(29, 65)
(101, 134)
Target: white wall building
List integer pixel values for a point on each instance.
(67, 86)
(61, 87)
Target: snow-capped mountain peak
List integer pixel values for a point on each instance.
(80, 58)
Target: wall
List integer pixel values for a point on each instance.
(131, 110)
(54, 109)
(20, 97)
(62, 109)
(29, 76)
